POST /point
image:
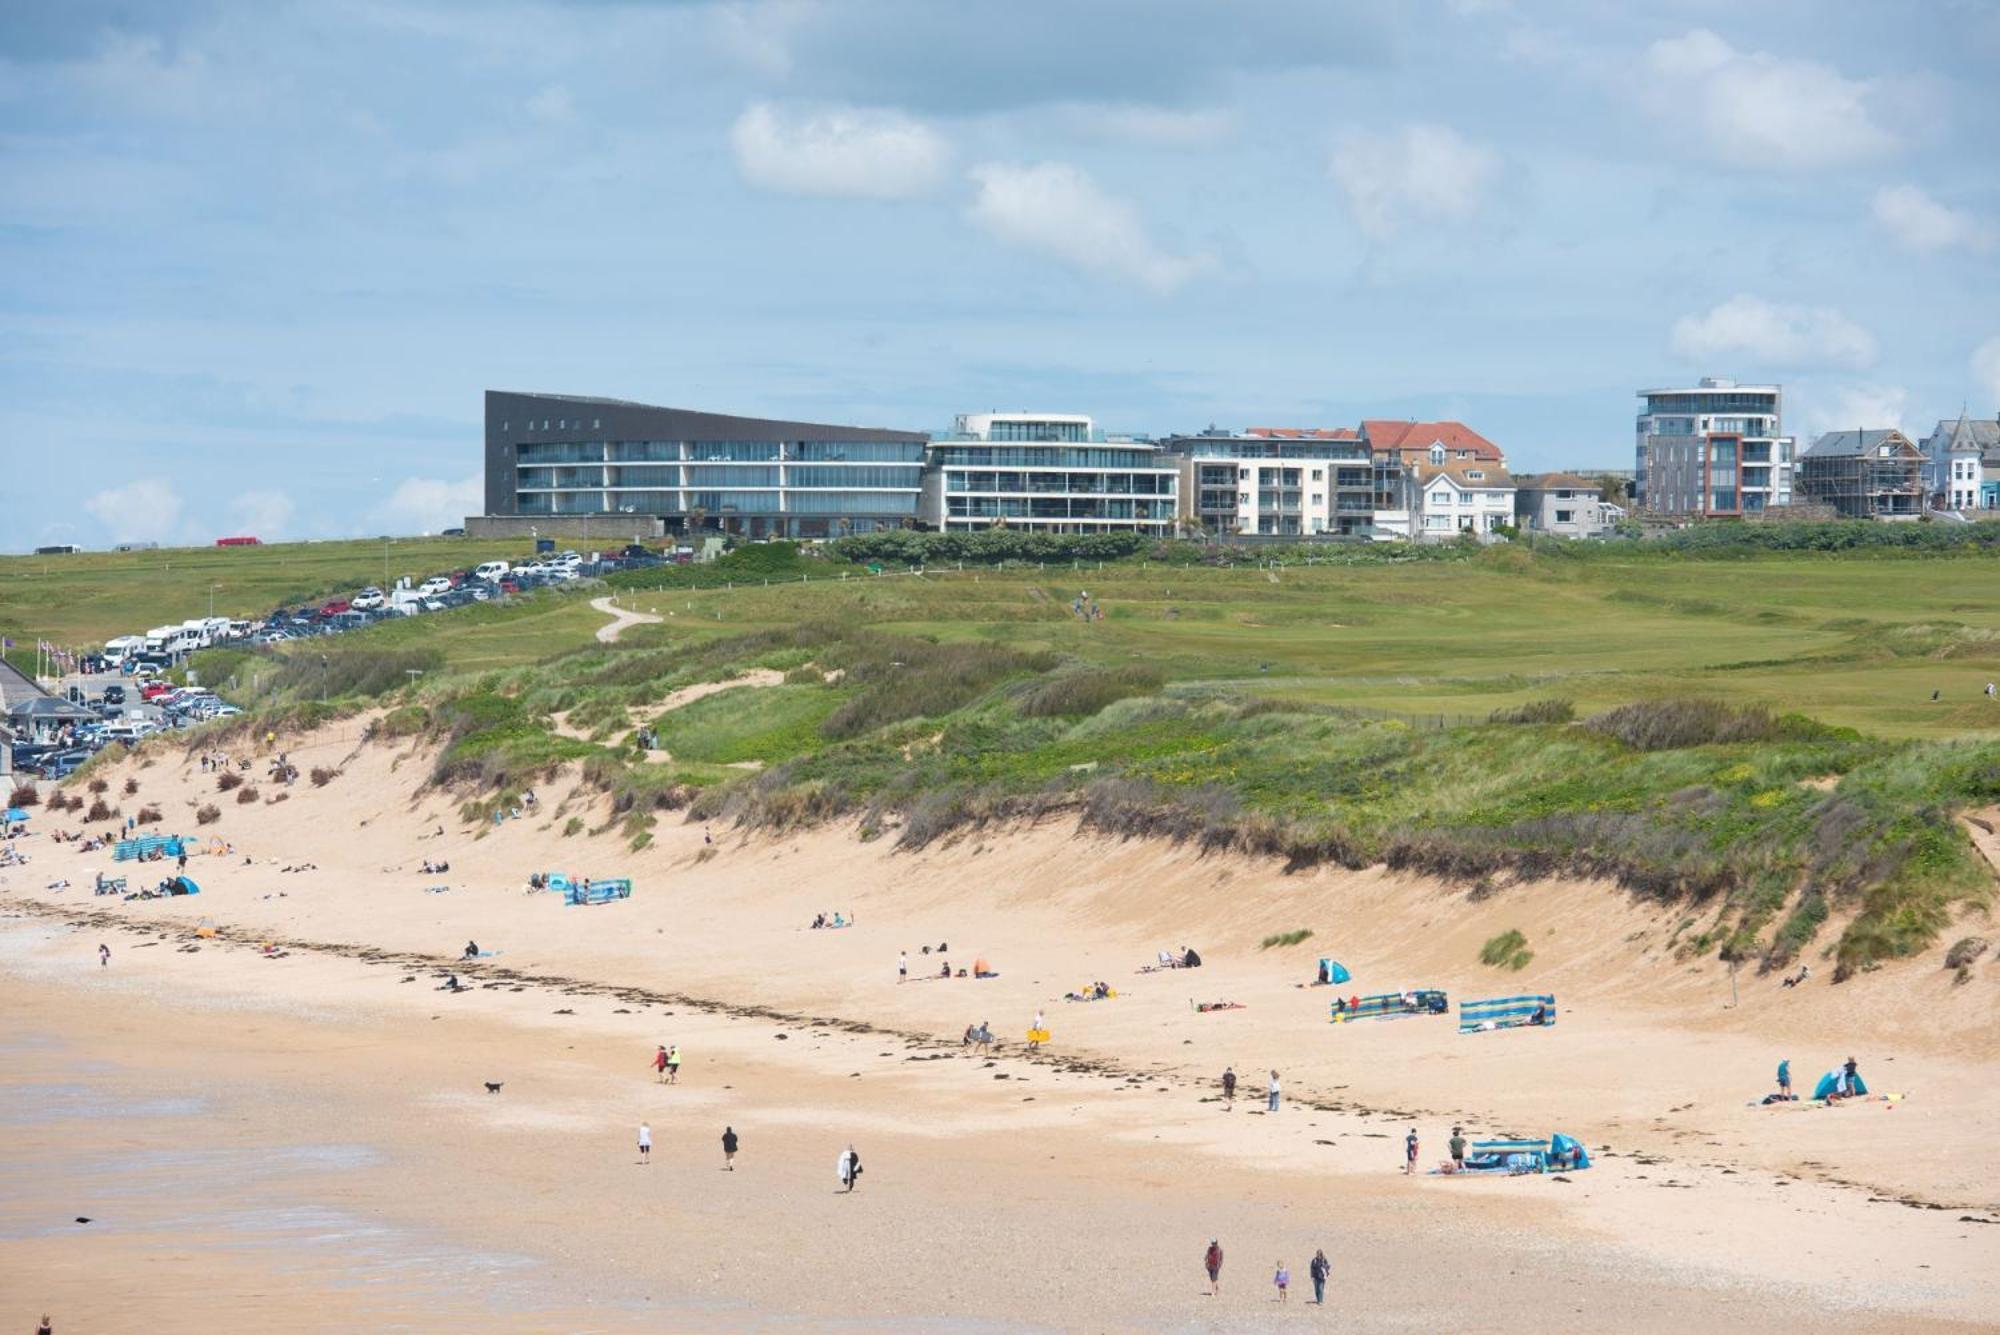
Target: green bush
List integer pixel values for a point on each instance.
(1509, 950)
(1291, 938)
(1536, 711)
(1082, 693)
(1667, 725)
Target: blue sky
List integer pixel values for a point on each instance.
(259, 260)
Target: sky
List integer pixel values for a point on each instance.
(259, 259)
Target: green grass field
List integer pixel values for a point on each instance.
(1323, 713)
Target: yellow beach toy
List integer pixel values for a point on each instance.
(1038, 1035)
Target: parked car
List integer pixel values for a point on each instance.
(114, 694)
(491, 571)
(368, 599)
(434, 586)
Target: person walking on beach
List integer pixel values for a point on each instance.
(1457, 1147)
(902, 966)
(1410, 1153)
(1211, 1261)
(674, 1064)
(1283, 1279)
(1274, 1093)
(1319, 1270)
(848, 1167)
(103, 955)
(660, 1063)
(1228, 1088)
(729, 1149)
(645, 1142)
(1785, 1078)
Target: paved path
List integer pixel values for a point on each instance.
(620, 619)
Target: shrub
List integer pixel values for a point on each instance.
(228, 779)
(208, 815)
(1509, 950)
(574, 825)
(101, 810)
(1081, 694)
(98, 785)
(1669, 725)
(1535, 711)
(280, 796)
(26, 796)
(1964, 952)
(246, 794)
(131, 787)
(1290, 938)
(322, 776)
(149, 816)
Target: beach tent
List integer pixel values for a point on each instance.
(1561, 1146)
(596, 892)
(144, 846)
(1333, 971)
(1526, 1156)
(16, 816)
(1829, 1084)
(1476, 1017)
(183, 885)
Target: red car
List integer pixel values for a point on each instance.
(335, 608)
(153, 690)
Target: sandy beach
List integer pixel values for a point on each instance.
(304, 1139)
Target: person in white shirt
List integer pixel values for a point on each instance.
(645, 1142)
(1275, 1089)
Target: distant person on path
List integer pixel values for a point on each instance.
(902, 966)
(1785, 1077)
(1275, 1091)
(729, 1149)
(1457, 1147)
(674, 1064)
(1410, 1153)
(659, 1063)
(1211, 1261)
(103, 956)
(1228, 1088)
(645, 1143)
(1283, 1279)
(848, 1167)
(1319, 1269)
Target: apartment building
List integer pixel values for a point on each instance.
(1276, 481)
(1056, 472)
(1714, 449)
(565, 455)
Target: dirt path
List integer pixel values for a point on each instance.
(620, 619)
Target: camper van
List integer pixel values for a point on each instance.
(491, 571)
(116, 651)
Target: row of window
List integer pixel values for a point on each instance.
(721, 451)
(1061, 456)
(1077, 484)
(886, 503)
(1055, 507)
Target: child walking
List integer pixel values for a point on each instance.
(1283, 1279)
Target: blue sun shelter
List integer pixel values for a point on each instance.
(1332, 971)
(1829, 1085)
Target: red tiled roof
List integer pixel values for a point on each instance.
(1401, 436)
(1304, 432)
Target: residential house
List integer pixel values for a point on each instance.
(1563, 505)
(1473, 497)
(1864, 474)
(1955, 468)
(1431, 444)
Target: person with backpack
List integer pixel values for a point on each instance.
(1319, 1270)
(1228, 1088)
(729, 1143)
(659, 1063)
(1211, 1261)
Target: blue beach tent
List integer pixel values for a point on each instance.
(1830, 1083)
(1333, 971)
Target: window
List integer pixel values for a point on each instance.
(1565, 516)
(596, 424)
(1319, 475)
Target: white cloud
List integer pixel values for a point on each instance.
(1059, 210)
(1754, 109)
(853, 151)
(145, 510)
(1418, 174)
(552, 105)
(1762, 333)
(426, 505)
(1846, 407)
(1920, 223)
(263, 514)
(1986, 371)
(1161, 126)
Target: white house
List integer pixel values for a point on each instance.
(1470, 497)
(1953, 470)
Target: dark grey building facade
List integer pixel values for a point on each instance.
(562, 455)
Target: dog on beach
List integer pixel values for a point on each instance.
(493, 1086)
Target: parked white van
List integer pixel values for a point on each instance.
(491, 571)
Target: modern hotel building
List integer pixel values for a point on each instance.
(1276, 481)
(1053, 472)
(1714, 450)
(559, 455)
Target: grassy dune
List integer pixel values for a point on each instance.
(1752, 734)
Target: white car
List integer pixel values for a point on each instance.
(434, 586)
(491, 571)
(367, 600)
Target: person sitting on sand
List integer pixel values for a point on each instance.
(1541, 1015)
(472, 950)
(451, 984)
(945, 972)
(819, 921)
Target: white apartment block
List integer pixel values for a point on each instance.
(1055, 472)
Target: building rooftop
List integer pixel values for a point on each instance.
(1401, 435)
(1556, 481)
(1491, 476)
(1862, 441)
(1302, 432)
